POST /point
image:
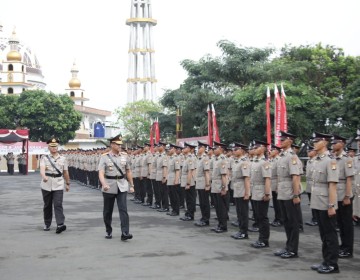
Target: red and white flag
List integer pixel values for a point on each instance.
(268, 121)
(157, 131)
(210, 127)
(283, 110)
(278, 113)
(215, 127)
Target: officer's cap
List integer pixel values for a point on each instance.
(176, 146)
(161, 144)
(274, 147)
(259, 143)
(309, 148)
(348, 149)
(286, 135)
(238, 145)
(117, 139)
(317, 136)
(202, 144)
(53, 142)
(295, 146)
(218, 144)
(139, 147)
(189, 145)
(147, 144)
(337, 138)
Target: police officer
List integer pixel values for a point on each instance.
(219, 187)
(288, 171)
(115, 177)
(241, 186)
(173, 180)
(145, 174)
(203, 184)
(356, 185)
(161, 165)
(273, 159)
(309, 181)
(261, 192)
(53, 171)
(346, 169)
(324, 202)
(10, 158)
(188, 181)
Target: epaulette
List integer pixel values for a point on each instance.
(331, 156)
(104, 154)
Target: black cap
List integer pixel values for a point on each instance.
(309, 148)
(295, 146)
(351, 149)
(189, 145)
(147, 144)
(218, 144)
(274, 147)
(175, 146)
(238, 145)
(53, 142)
(257, 143)
(117, 139)
(161, 144)
(317, 136)
(337, 138)
(202, 144)
(286, 135)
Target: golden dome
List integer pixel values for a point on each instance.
(13, 56)
(74, 83)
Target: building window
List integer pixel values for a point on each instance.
(72, 94)
(10, 90)
(22, 68)
(10, 67)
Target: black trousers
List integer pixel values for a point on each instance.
(137, 188)
(157, 195)
(53, 198)
(261, 209)
(164, 193)
(329, 238)
(276, 205)
(10, 169)
(109, 199)
(190, 197)
(290, 215)
(149, 191)
(221, 209)
(346, 227)
(242, 211)
(204, 201)
(312, 210)
(142, 189)
(255, 224)
(174, 198)
(181, 192)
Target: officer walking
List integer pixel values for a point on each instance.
(115, 177)
(53, 171)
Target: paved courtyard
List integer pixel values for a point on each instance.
(163, 247)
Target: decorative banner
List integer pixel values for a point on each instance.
(283, 110)
(210, 126)
(277, 120)
(152, 138)
(268, 121)
(215, 127)
(35, 148)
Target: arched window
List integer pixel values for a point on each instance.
(72, 94)
(10, 67)
(10, 90)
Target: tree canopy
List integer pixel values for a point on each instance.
(321, 84)
(44, 114)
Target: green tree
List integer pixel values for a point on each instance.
(8, 114)
(136, 119)
(47, 114)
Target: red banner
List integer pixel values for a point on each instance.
(268, 121)
(215, 127)
(278, 114)
(210, 130)
(283, 110)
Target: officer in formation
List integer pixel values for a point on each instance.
(21, 158)
(10, 158)
(356, 185)
(173, 180)
(273, 159)
(309, 182)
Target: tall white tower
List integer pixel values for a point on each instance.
(141, 77)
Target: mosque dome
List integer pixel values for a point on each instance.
(13, 56)
(74, 83)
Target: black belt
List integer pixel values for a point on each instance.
(53, 175)
(114, 177)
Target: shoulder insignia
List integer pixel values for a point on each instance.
(177, 162)
(104, 154)
(244, 166)
(223, 166)
(333, 165)
(349, 163)
(294, 160)
(266, 166)
(206, 162)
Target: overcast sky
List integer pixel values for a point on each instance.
(94, 33)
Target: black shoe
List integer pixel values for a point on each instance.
(240, 235)
(278, 253)
(173, 214)
(254, 229)
(289, 255)
(155, 207)
(163, 210)
(311, 223)
(108, 235)
(201, 223)
(327, 269)
(138, 202)
(215, 228)
(126, 236)
(345, 254)
(187, 218)
(221, 230)
(276, 224)
(259, 244)
(316, 266)
(60, 229)
(46, 228)
(146, 204)
(235, 223)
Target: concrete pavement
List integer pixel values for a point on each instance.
(163, 247)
